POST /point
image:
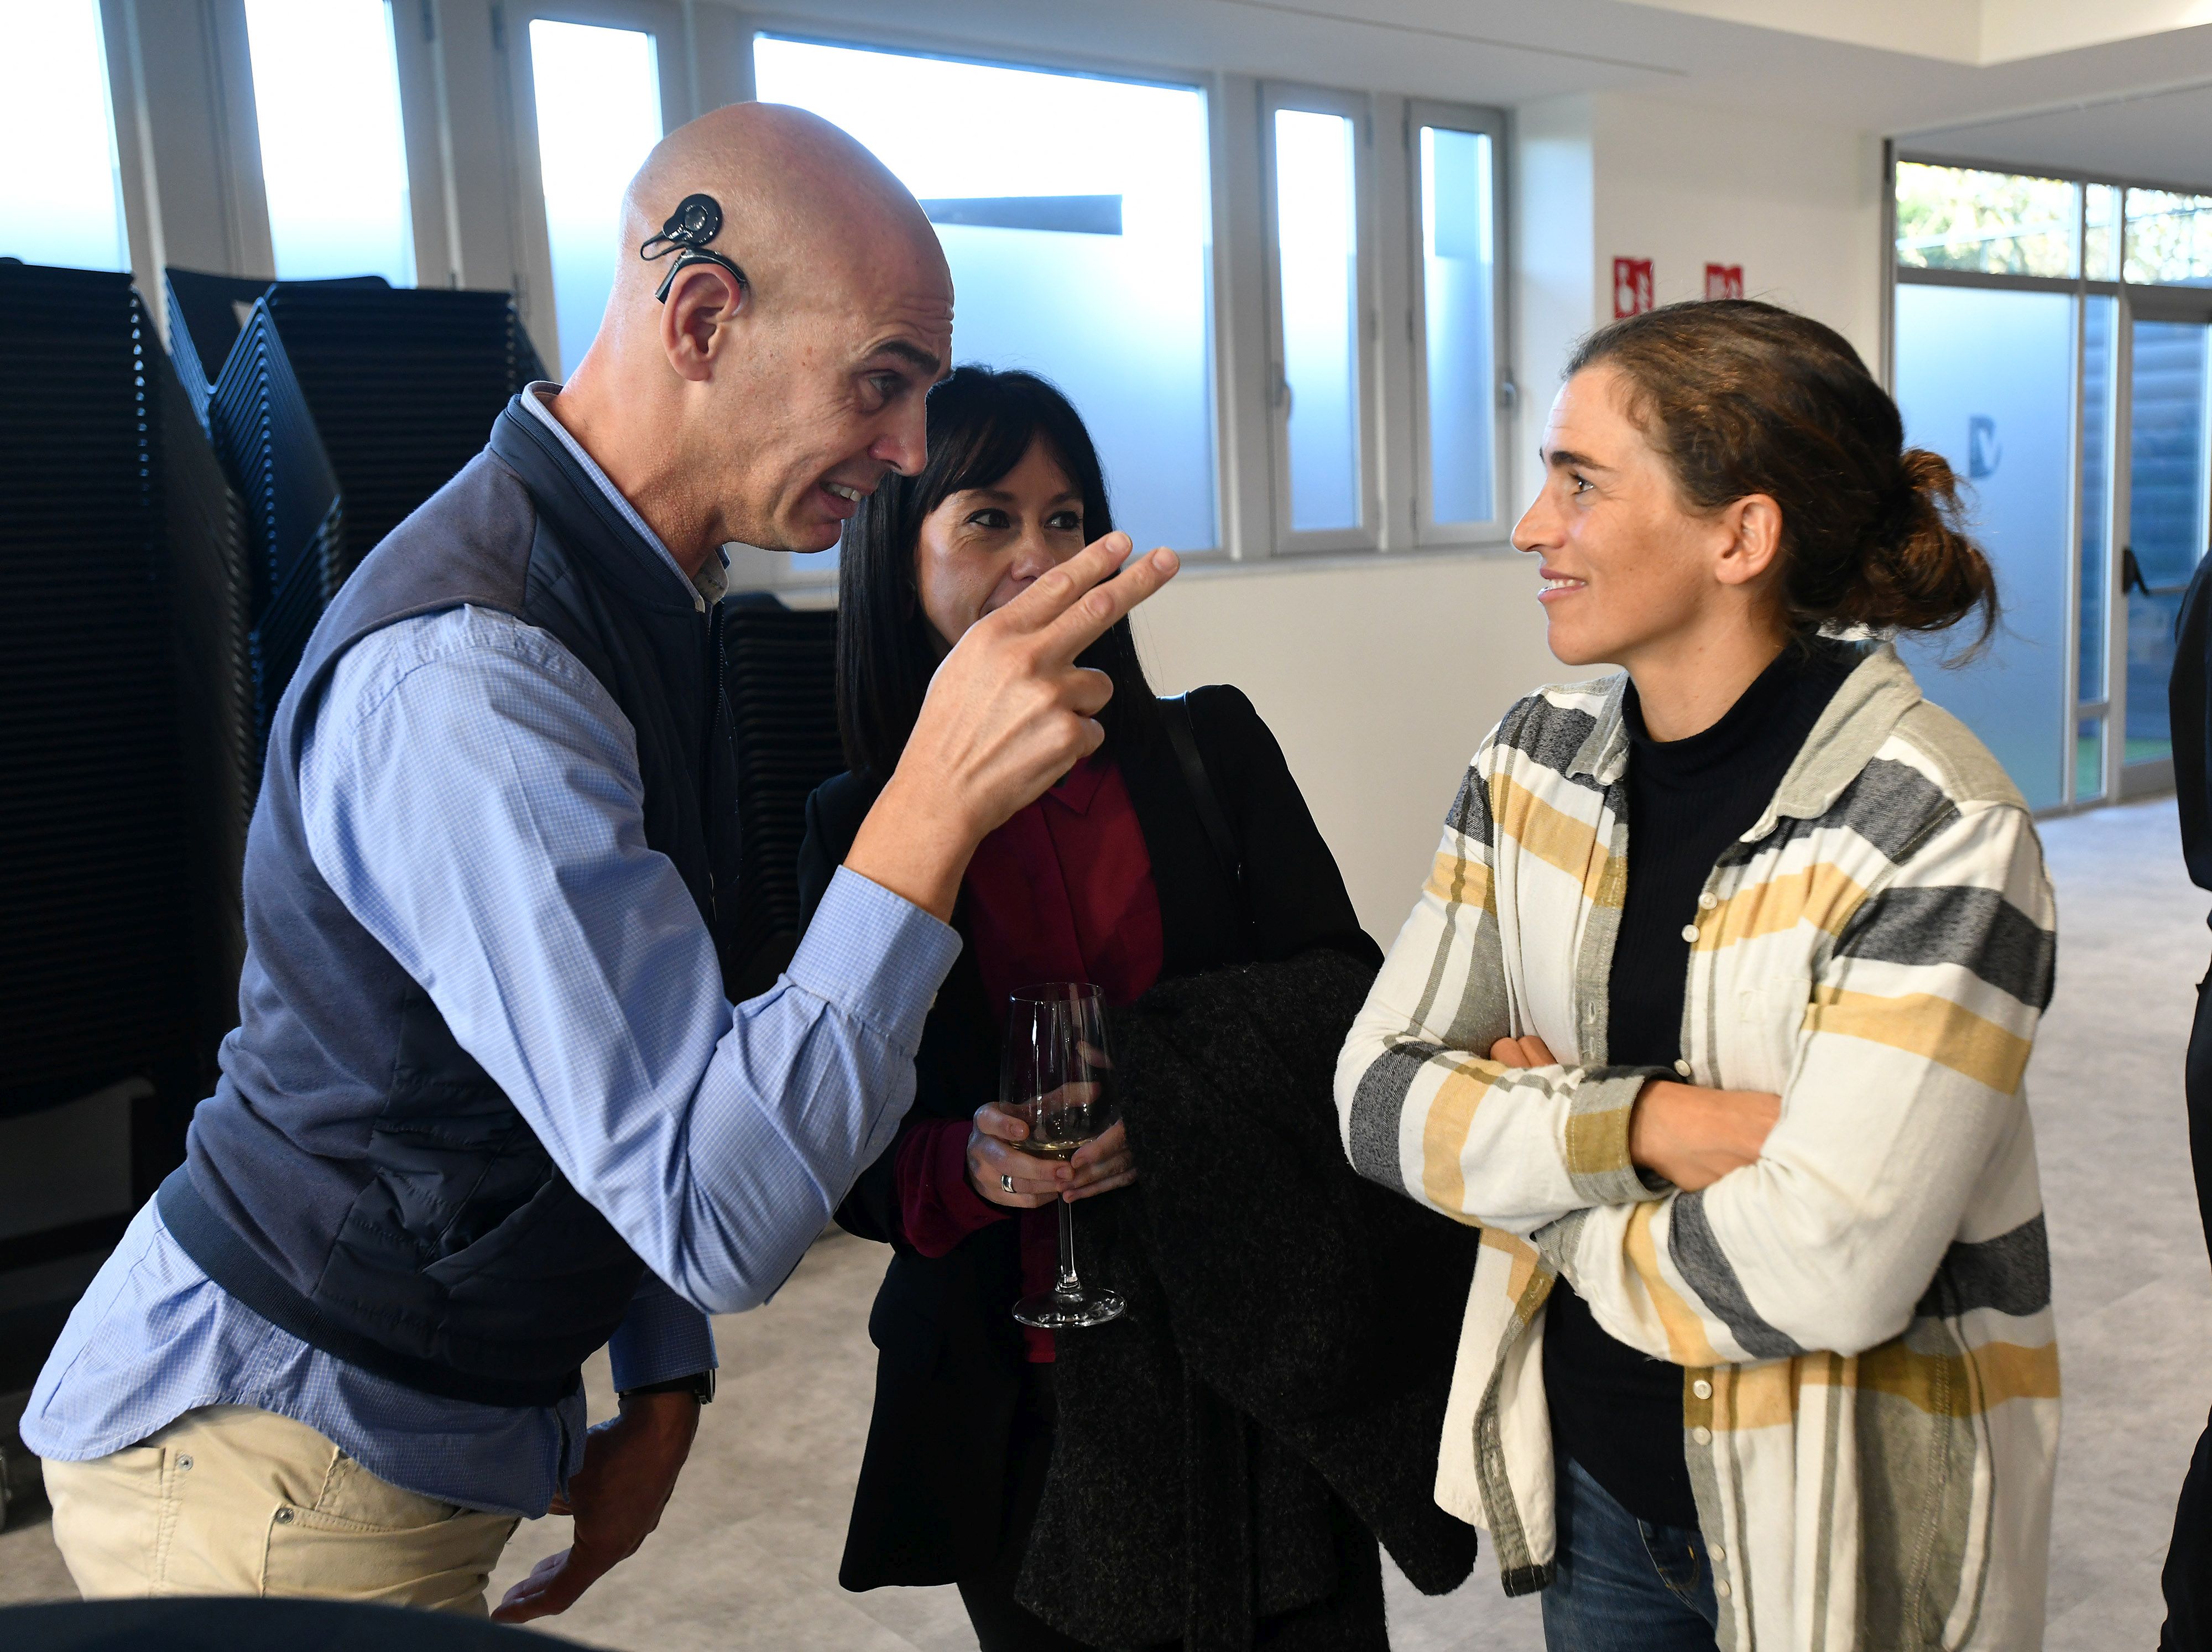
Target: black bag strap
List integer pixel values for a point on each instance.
(1182, 734)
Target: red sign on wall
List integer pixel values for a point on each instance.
(1723, 281)
(1631, 287)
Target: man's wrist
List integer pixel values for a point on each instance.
(917, 842)
(700, 1385)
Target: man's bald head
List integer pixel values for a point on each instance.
(805, 208)
(764, 409)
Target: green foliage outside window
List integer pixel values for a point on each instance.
(2169, 238)
(1994, 223)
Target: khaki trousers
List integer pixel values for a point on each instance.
(229, 1500)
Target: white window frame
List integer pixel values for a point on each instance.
(661, 19)
(1357, 107)
(468, 114)
(1225, 390)
(1490, 531)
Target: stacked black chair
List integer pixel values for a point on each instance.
(208, 311)
(212, 588)
(340, 408)
(268, 444)
(94, 960)
(402, 386)
(779, 671)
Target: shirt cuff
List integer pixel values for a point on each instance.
(661, 1338)
(875, 955)
(1598, 1165)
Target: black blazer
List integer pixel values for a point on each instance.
(930, 1503)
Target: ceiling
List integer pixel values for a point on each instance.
(2161, 136)
(2136, 102)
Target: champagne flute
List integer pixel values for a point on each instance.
(1056, 1078)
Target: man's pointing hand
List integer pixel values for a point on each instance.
(1008, 712)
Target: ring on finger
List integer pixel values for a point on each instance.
(1006, 1182)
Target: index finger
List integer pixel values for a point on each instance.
(1078, 601)
(1109, 602)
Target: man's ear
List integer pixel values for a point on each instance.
(1754, 542)
(703, 297)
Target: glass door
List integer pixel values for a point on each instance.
(1985, 377)
(2169, 438)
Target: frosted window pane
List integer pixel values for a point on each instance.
(2089, 760)
(59, 199)
(1959, 218)
(1987, 378)
(2169, 238)
(333, 162)
(1458, 274)
(2166, 515)
(1315, 243)
(599, 115)
(1073, 211)
(2098, 318)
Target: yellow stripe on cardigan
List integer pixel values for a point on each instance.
(1522, 1255)
(1444, 1130)
(1558, 839)
(1824, 893)
(1939, 1384)
(1767, 1395)
(1686, 1342)
(1458, 881)
(1927, 1025)
(1597, 1143)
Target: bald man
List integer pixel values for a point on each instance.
(488, 1109)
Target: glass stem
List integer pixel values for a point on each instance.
(1069, 1285)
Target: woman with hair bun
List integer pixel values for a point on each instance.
(1713, 1016)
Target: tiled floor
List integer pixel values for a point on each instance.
(748, 1553)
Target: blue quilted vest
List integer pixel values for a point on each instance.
(357, 1178)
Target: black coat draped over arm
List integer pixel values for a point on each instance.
(929, 1503)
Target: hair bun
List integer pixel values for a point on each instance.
(1924, 572)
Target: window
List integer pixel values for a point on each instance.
(1986, 377)
(334, 161)
(1074, 211)
(1456, 176)
(1995, 223)
(2100, 236)
(1315, 160)
(1988, 266)
(2169, 238)
(597, 94)
(60, 201)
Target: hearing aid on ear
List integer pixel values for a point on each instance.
(697, 221)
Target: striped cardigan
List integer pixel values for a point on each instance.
(1870, 1384)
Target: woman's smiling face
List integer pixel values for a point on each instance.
(981, 547)
(1626, 563)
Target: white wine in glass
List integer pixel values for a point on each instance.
(1057, 1078)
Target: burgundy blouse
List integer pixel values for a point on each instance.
(1063, 891)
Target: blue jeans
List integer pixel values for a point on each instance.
(1622, 1584)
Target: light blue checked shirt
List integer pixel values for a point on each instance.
(471, 793)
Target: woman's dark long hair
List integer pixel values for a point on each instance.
(981, 424)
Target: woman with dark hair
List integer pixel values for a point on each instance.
(1112, 878)
(1713, 1015)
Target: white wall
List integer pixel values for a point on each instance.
(1379, 678)
(1798, 206)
